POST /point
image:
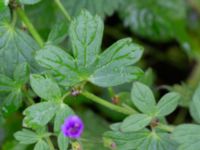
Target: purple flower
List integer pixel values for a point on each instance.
(72, 127)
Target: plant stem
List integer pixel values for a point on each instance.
(29, 98)
(194, 78)
(107, 104)
(14, 18)
(50, 143)
(64, 96)
(111, 92)
(165, 127)
(121, 109)
(181, 116)
(64, 11)
(29, 25)
(127, 107)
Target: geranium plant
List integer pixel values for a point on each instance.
(72, 77)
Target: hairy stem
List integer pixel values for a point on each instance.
(108, 104)
(14, 18)
(64, 96)
(194, 78)
(63, 10)
(29, 25)
(119, 109)
(51, 146)
(165, 127)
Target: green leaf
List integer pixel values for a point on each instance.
(100, 7)
(135, 122)
(6, 2)
(112, 62)
(4, 11)
(188, 136)
(21, 73)
(156, 20)
(122, 53)
(94, 128)
(43, 15)
(26, 136)
(6, 84)
(126, 141)
(86, 34)
(158, 141)
(140, 140)
(186, 92)
(106, 77)
(45, 87)
(63, 142)
(15, 47)
(195, 104)
(143, 98)
(167, 104)
(2, 5)
(41, 145)
(61, 64)
(190, 146)
(14, 145)
(115, 126)
(148, 78)
(125, 99)
(58, 33)
(63, 112)
(39, 114)
(12, 102)
(29, 1)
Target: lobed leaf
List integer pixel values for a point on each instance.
(61, 64)
(4, 11)
(15, 47)
(39, 114)
(122, 53)
(6, 84)
(41, 145)
(58, 33)
(157, 20)
(135, 122)
(21, 73)
(141, 140)
(86, 34)
(100, 7)
(194, 105)
(63, 112)
(110, 68)
(143, 98)
(45, 87)
(29, 1)
(167, 104)
(107, 77)
(112, 62)
(12, 102)
(94, 126)
(63, 142)
(26, 136)
(188, 136)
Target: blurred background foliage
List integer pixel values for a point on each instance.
(168, 30)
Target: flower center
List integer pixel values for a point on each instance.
(74, 128)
